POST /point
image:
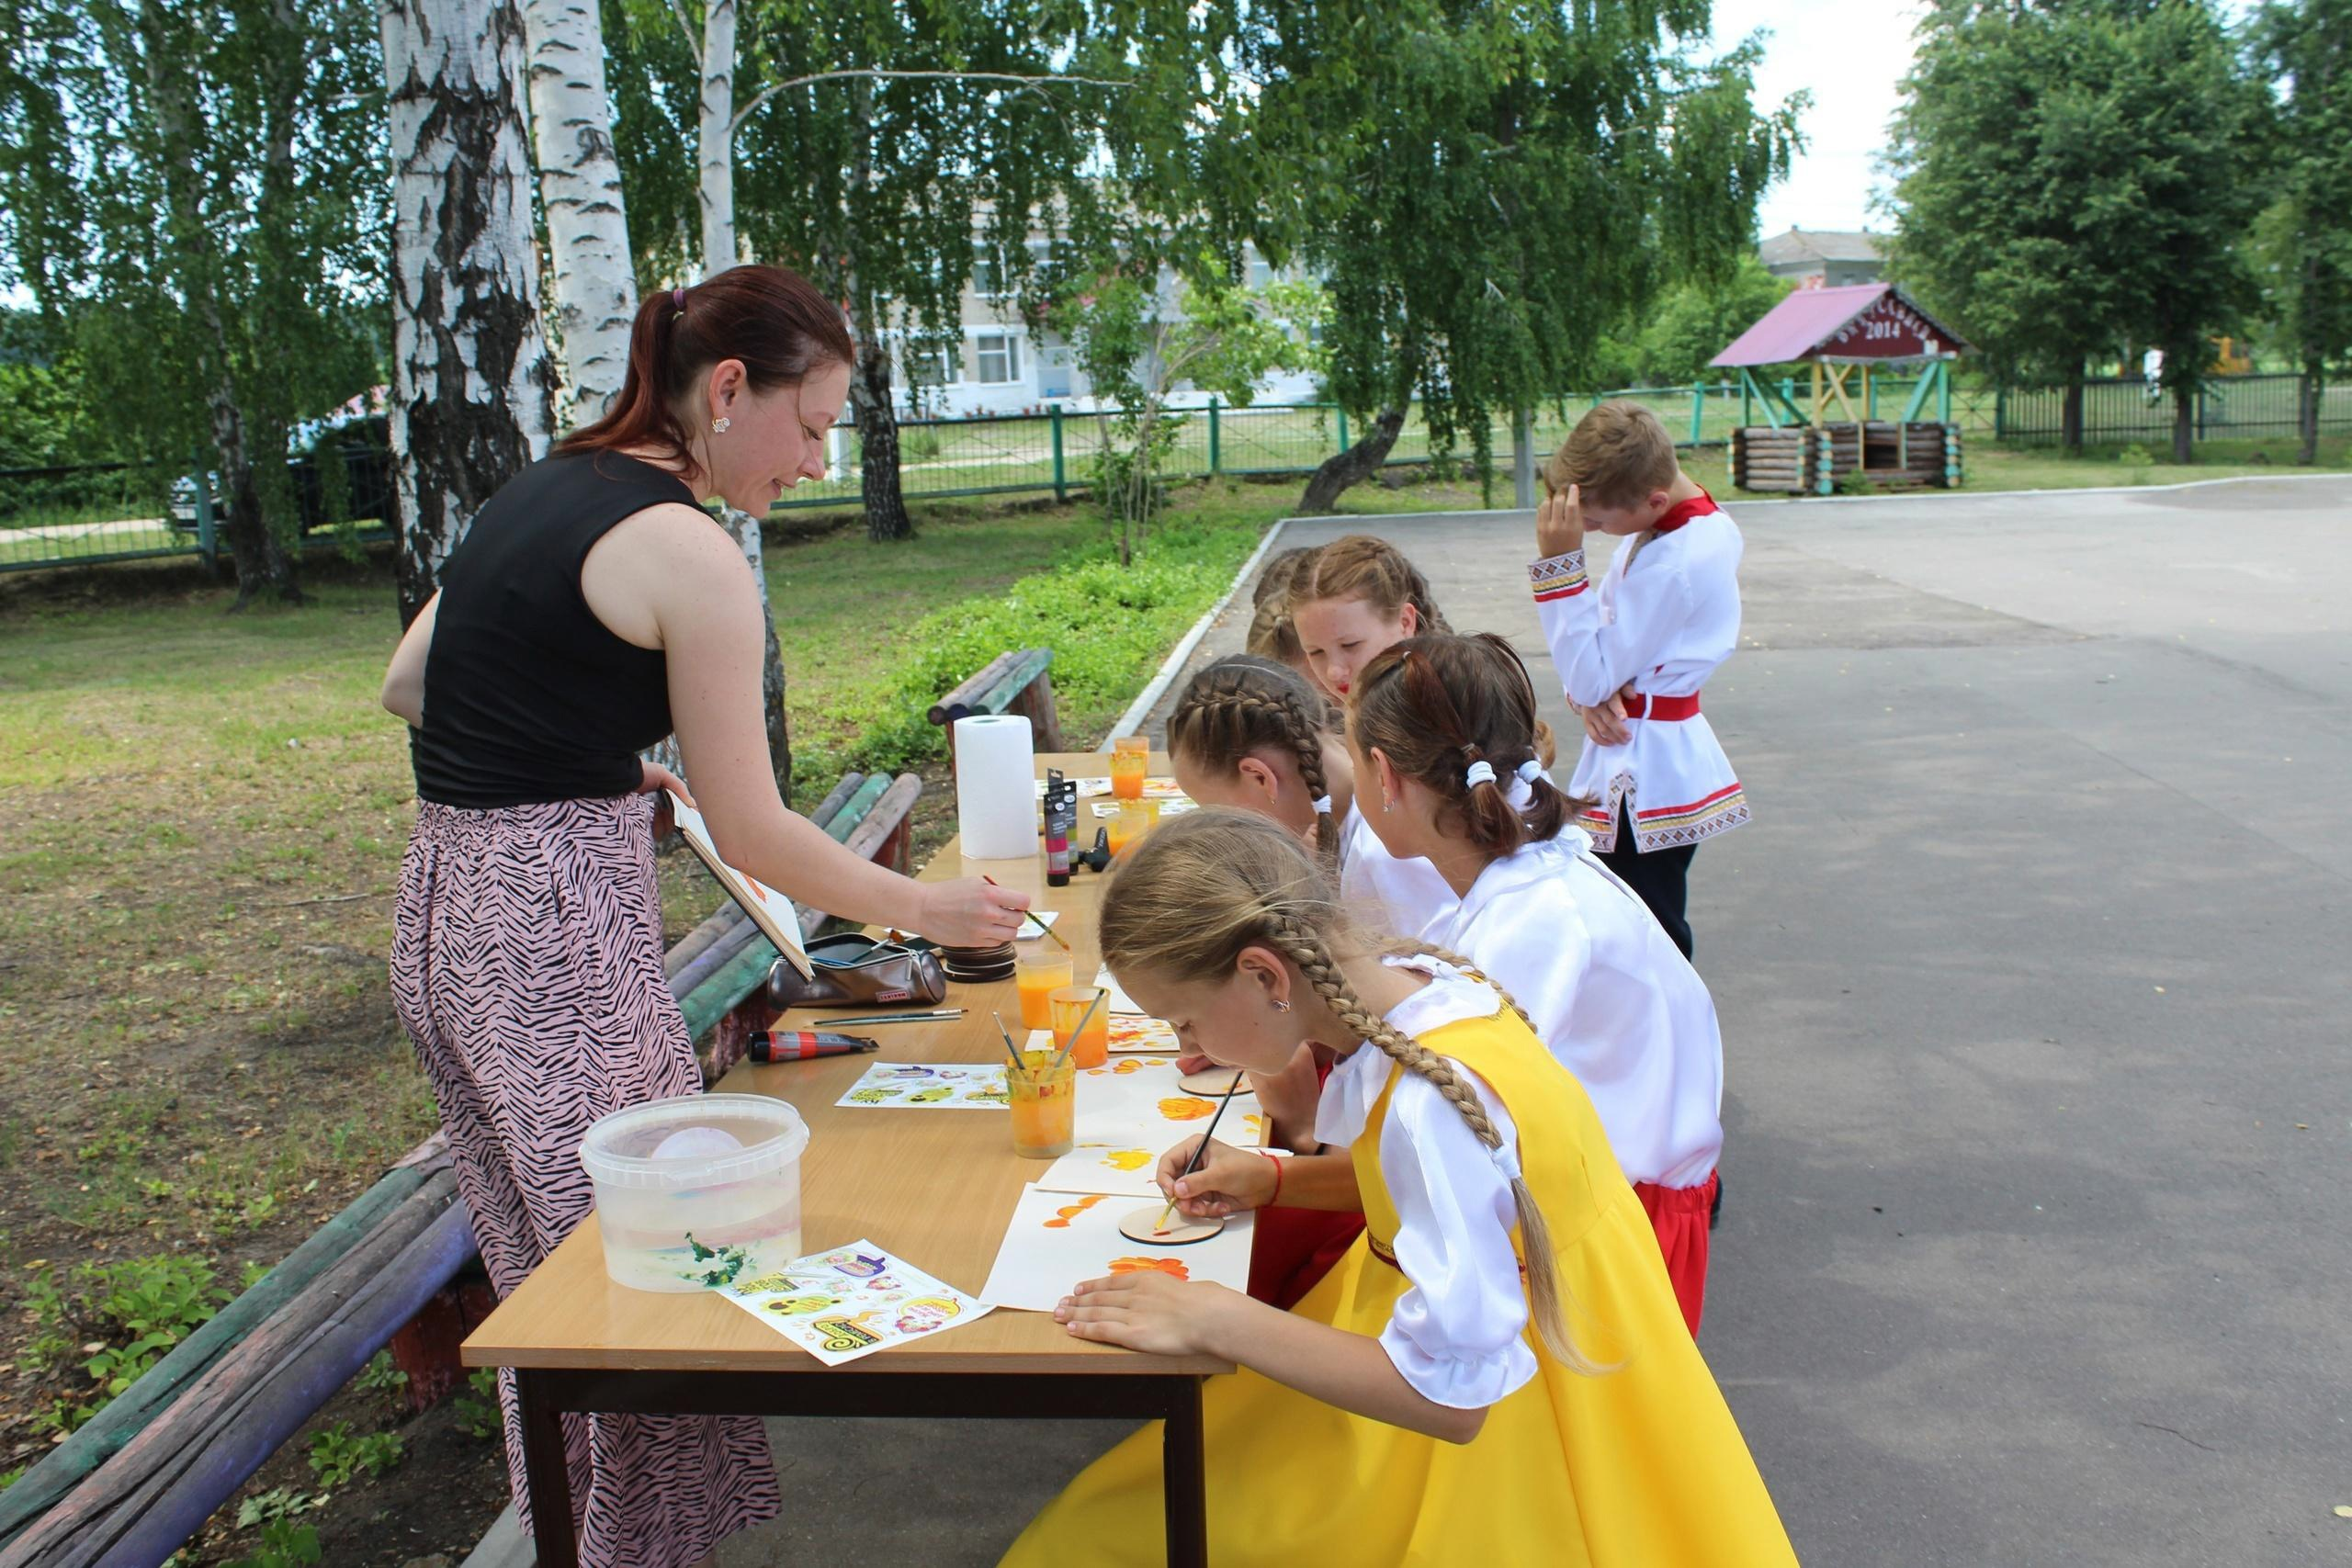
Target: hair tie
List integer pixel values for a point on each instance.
(1532, 769)
(1322, 806)
(678, 297)
(1481, 772)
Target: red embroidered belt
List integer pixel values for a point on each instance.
(1381, 1250)
(1667, 708)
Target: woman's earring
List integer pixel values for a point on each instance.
(1281, 1005)
(719, 426)
(1387, 805)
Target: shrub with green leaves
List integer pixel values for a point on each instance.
(337, 1456)
(284, 1544)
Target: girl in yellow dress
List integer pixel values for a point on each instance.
(1497, 1373)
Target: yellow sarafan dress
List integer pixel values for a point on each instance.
(1639, 1467)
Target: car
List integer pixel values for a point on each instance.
(365, 447)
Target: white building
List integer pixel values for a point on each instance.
(1002, 366)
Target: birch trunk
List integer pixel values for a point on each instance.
(580, 189)
(471, 380)
(715, 149)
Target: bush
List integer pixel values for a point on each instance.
(336, 1456)
(1107, 625)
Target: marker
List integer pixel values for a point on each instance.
(805, 1044)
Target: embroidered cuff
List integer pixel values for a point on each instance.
(1558, 577)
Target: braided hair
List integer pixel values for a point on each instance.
(1241, 704)
(1191, 898)
(1436, 705)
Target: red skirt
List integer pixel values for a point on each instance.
(1293, 1248)
(1678, 1215)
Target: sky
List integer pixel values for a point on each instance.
(1851, 56)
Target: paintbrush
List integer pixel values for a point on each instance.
(1031, 916)
(1195, 1163)
(1083, 1019)
(939, 1016)
(1020, 1067)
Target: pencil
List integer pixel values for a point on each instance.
(1031, 915)
(1195, 1163)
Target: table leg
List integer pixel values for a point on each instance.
(546, 1472)
(1185, 1481)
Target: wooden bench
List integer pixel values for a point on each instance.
(1012, 683)
(717, 970)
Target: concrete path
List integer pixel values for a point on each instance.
(2033, 970)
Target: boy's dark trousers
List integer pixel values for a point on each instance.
(1661, 877)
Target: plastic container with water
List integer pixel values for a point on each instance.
(698, 1191)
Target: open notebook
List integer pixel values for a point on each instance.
(769, 910)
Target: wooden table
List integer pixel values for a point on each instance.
(934, 1188)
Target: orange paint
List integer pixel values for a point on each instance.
(1167, 1266)
(1130, 760)
(1038, 976)
(1071, 1004)
(1043, 1105)
(1186, 1109)
(1062, 1217)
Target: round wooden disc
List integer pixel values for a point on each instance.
(1214, 1081)
(1143, 1225)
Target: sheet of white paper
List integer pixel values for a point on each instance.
(853, 1300)
(1118, 1001)
(1031, 933)
(917, 1086)
(1057, 1239)
(1127, 1172)
(1138, 1102)
(1132, 1032)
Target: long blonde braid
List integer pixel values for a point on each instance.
(1298, 942)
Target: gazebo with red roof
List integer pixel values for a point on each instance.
(1869, 326)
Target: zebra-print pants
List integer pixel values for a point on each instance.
(526, 965)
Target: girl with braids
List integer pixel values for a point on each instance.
(1447, 746)
(1271, 633)
(1353, 598)
(1250, 734)
(1495, 1373)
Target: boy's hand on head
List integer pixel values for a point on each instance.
(1559, 523)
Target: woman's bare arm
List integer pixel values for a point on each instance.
(403, 693)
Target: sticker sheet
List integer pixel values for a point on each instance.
(1057, 1239)
(851, 1301)
(919, 1086)
(1180, 803)
(1156, 787)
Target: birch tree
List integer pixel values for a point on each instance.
(591, 269)
(192, 190)
(473, 384)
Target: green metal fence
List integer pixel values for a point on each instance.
(92, 513)
(2118, 410)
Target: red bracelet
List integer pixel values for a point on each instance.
(1278, 1178)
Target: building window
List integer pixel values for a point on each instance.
(988, 273)
(932, 366)
(999, 358)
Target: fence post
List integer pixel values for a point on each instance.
(2200, 411)
(207, 545)
(1061, 480)
(2000, 412)
(1341, 410)
(1698, 409)
(1943, 391)
(1214, 456)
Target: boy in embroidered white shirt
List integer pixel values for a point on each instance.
(1633, 654)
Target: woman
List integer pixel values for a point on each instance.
(593, 607)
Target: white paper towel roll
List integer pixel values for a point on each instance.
(996, 788)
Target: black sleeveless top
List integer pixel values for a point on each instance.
(528, 697)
